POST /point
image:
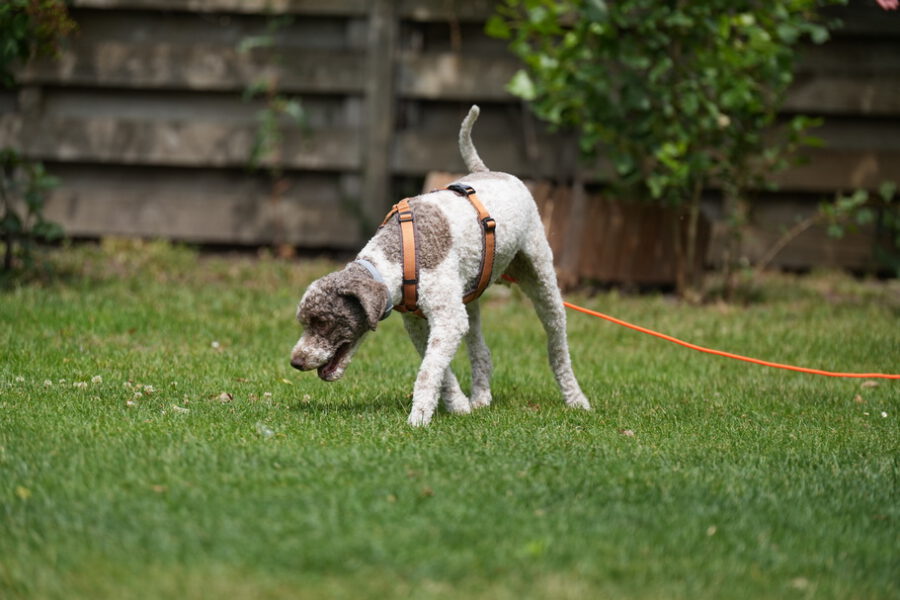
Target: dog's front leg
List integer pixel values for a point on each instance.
(447, 328)
(453, 398)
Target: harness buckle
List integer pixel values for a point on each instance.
(489, 224)
(405, 216)
(462, 190)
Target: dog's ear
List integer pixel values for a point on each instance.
(370, 294)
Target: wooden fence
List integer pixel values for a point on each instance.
(143, 119)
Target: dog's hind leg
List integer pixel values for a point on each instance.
(452, 396)
(479, 358)
(533, 268)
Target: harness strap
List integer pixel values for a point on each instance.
(408, 255)
(409, 287)
(488, 241)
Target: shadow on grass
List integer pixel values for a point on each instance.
(389, 400)
(398, 401)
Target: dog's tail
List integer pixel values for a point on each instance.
(466, 147)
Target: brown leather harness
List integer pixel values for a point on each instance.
(406, 219)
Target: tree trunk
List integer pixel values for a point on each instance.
(681, 269)
(694, 271)
(5, 201)
(736, 219)
(8, 254)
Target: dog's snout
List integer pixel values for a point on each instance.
(299, 364)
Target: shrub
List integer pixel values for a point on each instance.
(28, 28)
(678, 95)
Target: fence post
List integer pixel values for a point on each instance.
(379, 127)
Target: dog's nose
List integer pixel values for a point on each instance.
(298, 364)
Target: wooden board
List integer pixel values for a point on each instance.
(202, 143)
(229, 207)
(628, 242)
(421, 10)
(451, 76)
(314, 7)
(172, 142)
(770, 218)
(863, 94)
(199, 66)
(835, 169)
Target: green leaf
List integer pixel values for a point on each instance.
(496, 27)
(11, 223)
(255, 89)
(596, 10)
(47, 231)
(819, 34)
(255, 41)
(864, 216)
(34, 200)
(293, 109)
(522, 86)
(835, 231)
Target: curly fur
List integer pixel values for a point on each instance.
(339, 309)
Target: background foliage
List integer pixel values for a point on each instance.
(28, 28)
(679, 96)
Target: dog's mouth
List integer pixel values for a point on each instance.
(334, 368)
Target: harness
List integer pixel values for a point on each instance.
(406, 219)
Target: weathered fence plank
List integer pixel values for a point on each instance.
(198, 66)
(420, 10)
(379, 109)
(827, 169)
(310, 7)
(227, 207)
(836, 169)
(210, 143)
(443, 10)
(444, 76)
(451, 76)
(174, 143)
(771, 217)
(845, 94)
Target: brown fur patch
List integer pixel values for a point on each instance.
(344, 304)
(433, 238)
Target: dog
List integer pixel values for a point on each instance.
(338, 310)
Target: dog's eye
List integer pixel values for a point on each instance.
(318, 325)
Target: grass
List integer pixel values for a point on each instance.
(234, 476)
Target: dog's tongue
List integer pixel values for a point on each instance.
(328, 369)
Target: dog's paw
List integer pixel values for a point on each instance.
(579, 401)
(457, 404)
(419, 417)
(481, 399)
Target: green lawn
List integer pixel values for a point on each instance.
(155, 443)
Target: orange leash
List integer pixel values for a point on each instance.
(748, 359)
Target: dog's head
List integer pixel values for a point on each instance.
(336, 312)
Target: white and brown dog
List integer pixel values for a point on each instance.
(339, 309)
